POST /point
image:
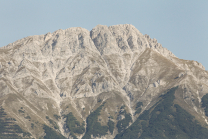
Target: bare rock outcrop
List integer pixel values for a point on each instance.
(77, 71)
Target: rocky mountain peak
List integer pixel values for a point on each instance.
(124, 39)
(71, 82)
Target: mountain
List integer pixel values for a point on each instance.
(110, 82)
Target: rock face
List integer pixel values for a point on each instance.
(79, 84)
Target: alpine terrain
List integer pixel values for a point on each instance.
(107, 83)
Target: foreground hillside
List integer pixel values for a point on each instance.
(111, 82)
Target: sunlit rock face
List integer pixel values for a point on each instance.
(103, 73)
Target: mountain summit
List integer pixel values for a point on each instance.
(110, 82)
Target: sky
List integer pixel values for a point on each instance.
(179, 25)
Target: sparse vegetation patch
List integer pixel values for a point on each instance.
(52, 134)
(9, 129)
(57, 116)
(52, 122)
(93, 126)
(111, 126)
(73, 125)
(204, 101)
(165, 120)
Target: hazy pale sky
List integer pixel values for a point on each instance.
(179, 25)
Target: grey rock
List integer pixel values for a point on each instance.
(69, 70)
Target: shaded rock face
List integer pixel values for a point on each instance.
(77, 71)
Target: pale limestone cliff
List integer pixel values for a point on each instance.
(75, 70)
